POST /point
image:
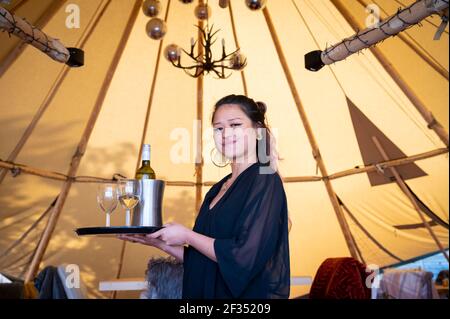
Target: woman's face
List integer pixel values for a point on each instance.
(234, 134)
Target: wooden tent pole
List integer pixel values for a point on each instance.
(391, 163)
(405, 190)
(50, 95)
(293, 179)
(316, 152)
(34, 121)
(6, 165)
(426, 114)
(233, 25)
(144, 134)
(40, 23)
(152, 91)
(81, 148)
(199, 124)
(18, 5)
(28, 231)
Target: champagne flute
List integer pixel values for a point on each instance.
(129, 196)
(107, 199)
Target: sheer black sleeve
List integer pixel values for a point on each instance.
(257, 234)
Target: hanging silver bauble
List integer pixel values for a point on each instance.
(202, 12)
(256, 4)
(238, 61)
(172, 52)
(156, 29)
(151, 8)
(187, 1)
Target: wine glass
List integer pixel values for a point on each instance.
(107, 199)
(129, 196)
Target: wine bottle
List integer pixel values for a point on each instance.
(145, 171)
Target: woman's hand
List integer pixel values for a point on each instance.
(174, 251)
(172, 238)
(143, 239)
(172, 234)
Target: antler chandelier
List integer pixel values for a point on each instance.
(204, 61)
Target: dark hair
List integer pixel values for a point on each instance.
(256, 112)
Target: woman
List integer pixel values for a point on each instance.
(239, 246)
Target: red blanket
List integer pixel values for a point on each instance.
(340, 278)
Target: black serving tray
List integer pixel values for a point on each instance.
(116, 230)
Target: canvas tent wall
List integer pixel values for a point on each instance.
(124, 80)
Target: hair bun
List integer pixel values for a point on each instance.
(262, 107)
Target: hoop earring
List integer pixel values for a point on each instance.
(221, 165)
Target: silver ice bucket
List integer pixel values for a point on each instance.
(149, 210)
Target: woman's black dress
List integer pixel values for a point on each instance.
(250, 227)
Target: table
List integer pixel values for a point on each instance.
(123, 284)
(129, 284)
